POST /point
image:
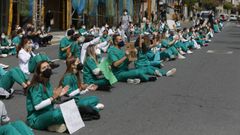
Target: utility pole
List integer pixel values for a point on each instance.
(149, 8)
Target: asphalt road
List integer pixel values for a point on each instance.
(203, 98)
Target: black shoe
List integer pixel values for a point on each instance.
(104, 88)
(152, 79)
(54, 65)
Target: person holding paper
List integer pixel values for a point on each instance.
(12, 128)
(71, 78)
(91, 73)
(65, 45)
(119, 64)
(41, 114)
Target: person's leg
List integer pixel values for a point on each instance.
(101, 82)
(22, 128)
(132, 74)
(91, 101)
(8, 130)
(18, 76)
(47, 119)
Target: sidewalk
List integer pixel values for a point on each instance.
(57, 36)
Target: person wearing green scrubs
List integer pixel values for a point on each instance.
(143, 63)
(168, 46)
(82, 31)
(65, 45)
(105, 36)
(9, 78)
(119, 61)
(91, 73)
(17, 40)
(216, 27)
(4, 43)
(75, 47)
(34, 60)
(12, 128)
(71, 78)
(41, 114)
(148, 27)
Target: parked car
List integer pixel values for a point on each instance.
(233, 18)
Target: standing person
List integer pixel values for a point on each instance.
(40, 101)
(49, 20)
(12, 128)
(125, 20)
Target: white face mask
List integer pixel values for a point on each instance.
(84, 27)
(21, 36)
(81, 39)
(98, 51)
(23, 32)
(3, 36)
(125, 13)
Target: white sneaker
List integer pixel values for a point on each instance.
(100, 106)
(198, 47)
(4, 66)
(60, 128)
(137, 81)
(181, 57)
(158, 73)
(131, 81)
(3, 55)
(171, 72)
(182, 52)
(189, 52)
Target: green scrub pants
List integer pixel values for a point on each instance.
(91, 101)
(15, 128)
(46, 119)
(131, 74)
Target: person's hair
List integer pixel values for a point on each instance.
(24, 41)
(90, 52)
(70, 32)
(69, 62)
(19, 31)
(145, 44)
(115, 38)
(37, 78)
(75, 37)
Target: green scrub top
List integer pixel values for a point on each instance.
(142, 60)
(75, 50)
(105, 38)
(5, 42)
(14, 74)
(37, 94)
(32, 64)
(82, 31)
(70, 79)
(115, 54)
(165, 43)
(63, 43)
(88, 68)
(16, 40)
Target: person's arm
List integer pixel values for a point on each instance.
(119, 62)
(23, 57)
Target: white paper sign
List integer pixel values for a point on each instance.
(72, 117)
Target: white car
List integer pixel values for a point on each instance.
(233, 18)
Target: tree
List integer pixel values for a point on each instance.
(211, 4)
(228, 6)
(24, 7)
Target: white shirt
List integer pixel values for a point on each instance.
(24, 58)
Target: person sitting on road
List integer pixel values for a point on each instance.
(119, 63)
(41, 114)
(91, 73)
(65, 45)
(8, 78)
(143, 62)
(72, 79)
(12, 128)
